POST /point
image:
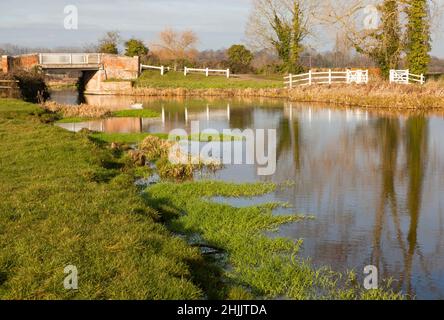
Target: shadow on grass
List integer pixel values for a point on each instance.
(208, 272)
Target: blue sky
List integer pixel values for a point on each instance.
(219, 23)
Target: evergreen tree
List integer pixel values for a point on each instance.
(298, 35)
(135, 47)
(418, 42)
(289, 36)
(384, 45)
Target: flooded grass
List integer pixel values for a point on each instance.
(75, 120)
(144, 113)
(257, 266)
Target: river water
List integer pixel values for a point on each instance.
(374, 182)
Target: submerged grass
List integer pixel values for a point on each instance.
(75, 120)
(133, 138)
(143, 113)
(256, 266)
(66, 201)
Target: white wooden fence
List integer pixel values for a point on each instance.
(405, 77)
(327, 77)
(207, 71)
(161, 68)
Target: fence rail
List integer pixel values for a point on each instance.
(207, 71)
(405, 77)
(327, 77)
(4, 84)
(69, 58)
(161, 68)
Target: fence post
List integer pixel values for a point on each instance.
(228, 73)
(408, 76)
(185, 71)
(422, 78)
(309, 77)
(329, 76)
(70, 58)
(291, 80)
(162, 70)
(206, 72)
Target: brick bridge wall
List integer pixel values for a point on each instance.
(113, 67)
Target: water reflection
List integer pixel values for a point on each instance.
(372, 181)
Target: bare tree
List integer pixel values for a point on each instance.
(176, 46)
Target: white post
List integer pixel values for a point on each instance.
(163, 115)
(291, 80)
(208, 113)
(422, 78)
(309, 77)
(186, 115)
(162, 70)
(40, 58)
(185, 71)
(228, 73)
(70, 58)
(206, 72)
(329, 76)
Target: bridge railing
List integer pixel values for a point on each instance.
(405, 77)
(69, 58)
(327, 77)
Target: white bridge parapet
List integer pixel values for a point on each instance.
(327, 77)
(69, 58)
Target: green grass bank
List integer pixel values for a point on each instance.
(66, 201)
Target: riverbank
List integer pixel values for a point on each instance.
(67, 201)
(372, 96)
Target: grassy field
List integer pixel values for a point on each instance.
(153, 79)
(65, 201)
